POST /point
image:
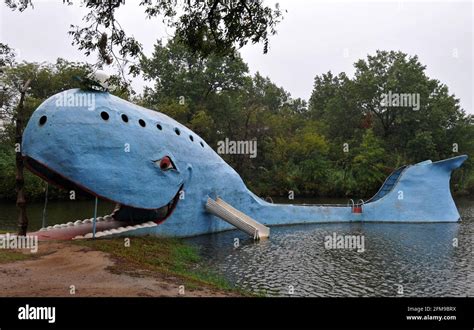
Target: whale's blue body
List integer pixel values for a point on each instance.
(116, 160)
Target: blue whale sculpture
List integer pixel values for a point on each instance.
(160, 172)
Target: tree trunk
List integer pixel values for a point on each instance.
(20, 180)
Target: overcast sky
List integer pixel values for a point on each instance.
(314, 37)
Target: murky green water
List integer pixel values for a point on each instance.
(56, 212)
(399, 259)
(419, 258)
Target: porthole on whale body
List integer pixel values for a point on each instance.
(43, 120)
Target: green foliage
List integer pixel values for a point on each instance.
(345, 142)
(46, 80)
(211, 27)
(299, 148)
(349, 108)
(9, 256)
(302, 149)
(421, 147)
(367, 165)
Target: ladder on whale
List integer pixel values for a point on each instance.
(237, 218)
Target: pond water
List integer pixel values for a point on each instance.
(399, 259)
(56, 212)
(421, 259)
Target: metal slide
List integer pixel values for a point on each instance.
(236, 218)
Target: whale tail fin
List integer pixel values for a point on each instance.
(418, 192)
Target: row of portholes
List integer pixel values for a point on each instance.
(105, 116)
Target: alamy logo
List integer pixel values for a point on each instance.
(8, 241)
(401, 100)
(347, 242)
(78, 100)
(230, 147)
(37, 313)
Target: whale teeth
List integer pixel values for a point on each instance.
(43, 229)
(107, 232)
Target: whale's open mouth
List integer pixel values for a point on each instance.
(123, 218)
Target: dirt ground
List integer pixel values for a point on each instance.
(60, 265)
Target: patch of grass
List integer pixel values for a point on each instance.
(168, 256)
(7, 256)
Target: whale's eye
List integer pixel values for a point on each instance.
(166, 164)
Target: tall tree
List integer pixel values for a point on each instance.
(206, 27)
(190, 88)
(24, 87)
(20, 166)
(18, 86)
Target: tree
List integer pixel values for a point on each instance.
(18, 86)
(182, 76)
(436, 113)
(20, 178)
(334, 102)
(368, 163)
(347, 108)
(191, 88)
(421, 147)
(217, 98)
(24, 87)
(206, 27)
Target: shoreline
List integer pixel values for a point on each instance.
(92, 269)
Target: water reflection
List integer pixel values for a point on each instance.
(422, 258)
(56, 212)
